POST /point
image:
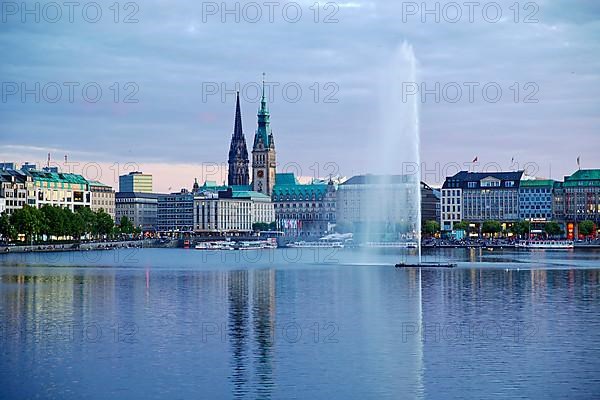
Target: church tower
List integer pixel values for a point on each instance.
(238, 153)
(263, 151)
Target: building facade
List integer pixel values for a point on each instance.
(222, 214)
(140, 208)
(230, 212)
(304, 210)
(103, 198)
(70, 191)
(175, 212)
(263, 152)
(135, 182)
(478, 197)
(430, 204)
(577, 199)
(383, 207)
(237, 173)
(536, 200)
(13, 188)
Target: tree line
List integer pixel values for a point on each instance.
(519, 228)
(52, 222)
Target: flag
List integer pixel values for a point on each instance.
(475, 159)
(579, 162)
(512, 160)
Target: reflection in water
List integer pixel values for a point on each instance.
(238, 332)
(256, 373)
(263, 312)
(529, 332)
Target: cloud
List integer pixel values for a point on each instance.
(176, 48)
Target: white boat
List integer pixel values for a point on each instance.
(320, 244)
(547, 244)
(256, 245)
(221, 245)
(403, 245)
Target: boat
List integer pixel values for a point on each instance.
(320, 244)
(220, 245)
(426, 265)
(255, 245)
(547, 244)
(403, 245)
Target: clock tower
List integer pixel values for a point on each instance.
(263, 151)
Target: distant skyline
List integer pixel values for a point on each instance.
(174, 57)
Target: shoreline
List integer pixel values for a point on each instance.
(173, 244)
(96, 246)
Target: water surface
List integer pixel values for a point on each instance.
(166, 323)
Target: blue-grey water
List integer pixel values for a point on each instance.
(318, 324)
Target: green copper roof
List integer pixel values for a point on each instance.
(537, 183)
(98, 183)
(287, 186)
(585, 174)
(42, 176)
(582, 178)
(263, 132)
(250, 194)
(285, 179)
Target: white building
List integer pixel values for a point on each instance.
(231, 211)
(13, 188)
(57, 189)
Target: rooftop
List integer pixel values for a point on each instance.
(460, 179)
(537, 183)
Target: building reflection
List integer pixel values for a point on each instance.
(238, 330)
(263, 314)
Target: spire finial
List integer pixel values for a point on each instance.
(263, 84)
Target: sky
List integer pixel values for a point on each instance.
(151, 85)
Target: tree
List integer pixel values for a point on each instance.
(431, 227)
(553, 229)
(462, 226)
(76, 225)
(125, 225)
(586, 228)
(55, 221)
(260, 226)
(7, 230)
(28, 220)
(491, 227)
(103, 223)
(520, 228)
(88, 218)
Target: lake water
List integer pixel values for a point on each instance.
(318, 324)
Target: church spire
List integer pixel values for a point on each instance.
(263, 133)
(237, 129)
(238, 173)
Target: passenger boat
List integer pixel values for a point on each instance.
(221, 245)
(425, 265)
(547, 244)
(256, 245)
(320, 244)
(403, 245)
